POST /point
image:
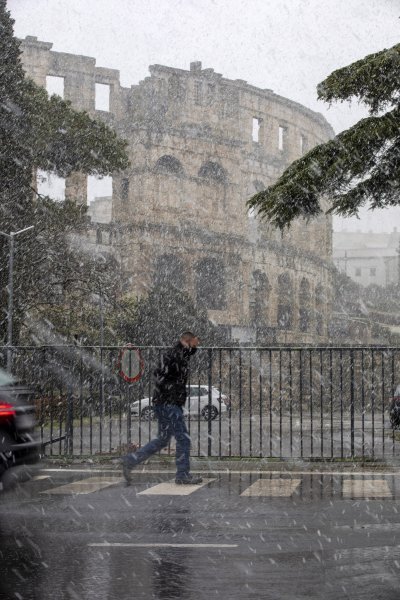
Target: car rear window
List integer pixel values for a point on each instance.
(5, 378)
(195, 390)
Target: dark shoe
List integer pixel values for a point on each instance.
(190, 480)
(126, 470)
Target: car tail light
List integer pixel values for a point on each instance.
(6, 410)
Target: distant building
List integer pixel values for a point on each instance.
(100, 210)
(368, 258)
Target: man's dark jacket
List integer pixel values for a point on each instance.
(171, 376)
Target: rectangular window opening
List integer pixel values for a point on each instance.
(102, 97)
(125, 189)
(99, 196)
(358, 272)
(303, 144)
(51, 185)
(55, 85)
(210, 93)
(198, 92)
(282, 131)
(372, 271)
(256, 129)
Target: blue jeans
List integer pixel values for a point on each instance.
(170, 423)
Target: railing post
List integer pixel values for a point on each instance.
(352, 403)
(101, 407)
(209, 430)
(69, 424)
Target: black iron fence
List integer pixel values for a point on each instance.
(242, 402)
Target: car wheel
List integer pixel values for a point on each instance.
(6, 454)
(147, 414)
(395, 420)
(6, 441)
(209, 413)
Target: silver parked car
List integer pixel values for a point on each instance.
(196, 406)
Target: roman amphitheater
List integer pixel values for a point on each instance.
(200, 145)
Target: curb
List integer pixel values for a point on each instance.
(226, 465)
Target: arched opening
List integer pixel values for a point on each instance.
(213, 171)
(258, 185)
(169, 165)
(210, 284)
(304, 305)
(258, 297)
(168, 270)
(285, 308)
(255, 187)
(319, 309)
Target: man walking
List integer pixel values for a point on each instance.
(168, 399)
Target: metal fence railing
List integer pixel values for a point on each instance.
(278, 402)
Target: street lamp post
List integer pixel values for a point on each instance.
(11, 237)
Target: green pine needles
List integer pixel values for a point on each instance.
(360, 166)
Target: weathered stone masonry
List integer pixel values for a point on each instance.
(200, 145)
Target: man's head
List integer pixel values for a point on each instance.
(189, 339)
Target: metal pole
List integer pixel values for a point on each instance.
(10, 301)
(352, 403)
(10, 236)
(101, 319)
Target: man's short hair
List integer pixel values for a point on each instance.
(187, 336)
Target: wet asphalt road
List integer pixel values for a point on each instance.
(322, 541)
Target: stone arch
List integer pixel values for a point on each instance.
(168, 270)
(319, 309)
(258, 185)
(210, 284)
(259, 297)
(213, 171)
(285, 302)
(304, 305)
(169, 165)
(319, 296)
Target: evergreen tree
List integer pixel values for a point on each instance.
(159, 318)
(38, 132)
(359, 166)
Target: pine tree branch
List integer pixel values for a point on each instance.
(374, 80)
(332, 170)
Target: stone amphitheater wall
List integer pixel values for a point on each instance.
(200, 145)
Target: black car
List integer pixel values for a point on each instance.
(18, 445)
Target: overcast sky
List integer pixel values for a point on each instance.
(285, 45)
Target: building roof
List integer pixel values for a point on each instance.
(366, 243)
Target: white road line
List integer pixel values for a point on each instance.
(127, 545)
(370, 526)
(366, 488)
(272, 487)
(84, 486)
(170, 488)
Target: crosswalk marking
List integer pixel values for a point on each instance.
(272, 487)
(362, 488)
(366, 488)
(84, 486)
(170, 488)
(159, 545)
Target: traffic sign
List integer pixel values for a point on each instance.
(131, 364)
